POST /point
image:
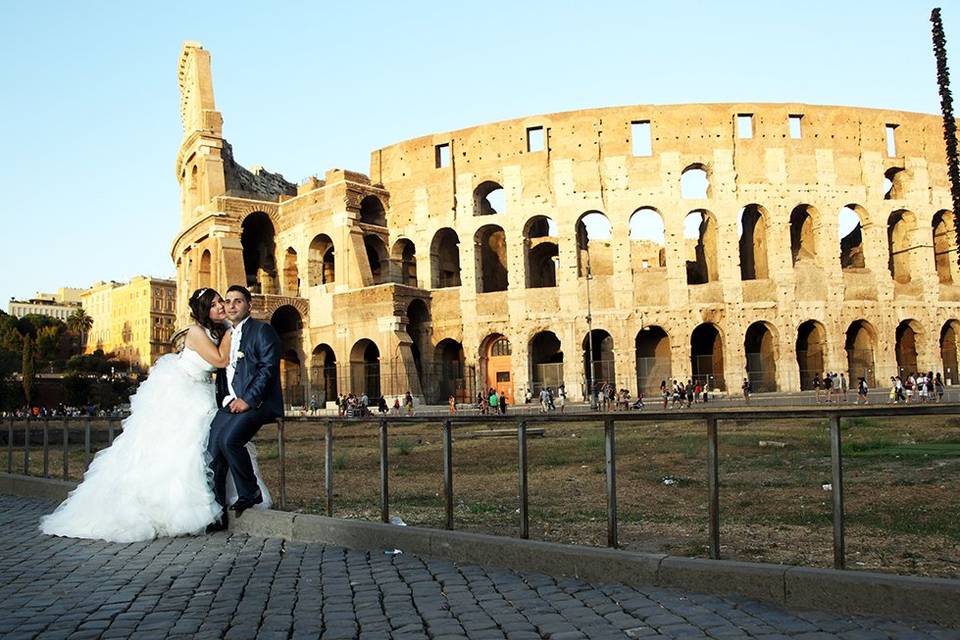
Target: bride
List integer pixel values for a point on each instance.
(154, 480)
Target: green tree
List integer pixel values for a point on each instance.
(27, 332)
(79, 323)
(77, 389)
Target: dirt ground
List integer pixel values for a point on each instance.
(902, 486)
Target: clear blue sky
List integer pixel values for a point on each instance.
(89, 120)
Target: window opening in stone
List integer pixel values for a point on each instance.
(441, 154)
(900, 228)
(491, 259)
(323, 374)
(860, 345)
(753, 243)
(377, 258)
(205, 279)
(541, 252)
(850, 227)
(944, 247)
(365, 368)
(894, 183)
(700, 247)
(811, 352)
(489, 198)
(706, 357)
(647, 244)
(802, 235)
(744, 126)
(372, 211)
(288, 323)
(760, 347)
(291, 275)
(793, 122)
(694, 183)
(405, 258)
(535, 139)
(598, 344)
(420, 330)
(546, 362)
(594, 249)
(653, 358)
(948, 351)
(445, 259)
(906, 347)
(640, 138)
(321, 265)
(259, 263)
(891, 140)
(450, 372)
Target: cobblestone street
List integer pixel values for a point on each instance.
(237, 587)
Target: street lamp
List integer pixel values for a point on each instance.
(591, 375)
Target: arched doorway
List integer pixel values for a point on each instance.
(405, 256)
(541, 252)
(700, 240)
(706, 356)
(377, 258)
(321, 265)
(900, 227)
(860, 345)
(491, 257)
(372, 212)
(489, 199)
(291, 275)
(753, 243)
(948, 351)
(594, 250)
(259, 263)
(365, 369)
(803, 241)
(445, 259)
(811, 352)
(906, 347)
(598, 344)
(323, 373)
(647, 240)
(450, 372)
(944, 247)
(653, 358)
(546, 361)
(205, 279)
(288, 324)
(420, 330)
(852, 220)
(760, 347)
(496, 364)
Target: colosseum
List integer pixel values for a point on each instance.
(625, 244)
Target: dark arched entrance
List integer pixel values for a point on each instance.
(706, 356)
(288, 324)
(811, 352)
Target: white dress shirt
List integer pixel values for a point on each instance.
(234, 358)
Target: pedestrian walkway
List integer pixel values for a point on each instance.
(232, 586)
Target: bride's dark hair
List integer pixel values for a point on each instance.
(200, 303)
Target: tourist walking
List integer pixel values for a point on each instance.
(862, 390)
(746, 390)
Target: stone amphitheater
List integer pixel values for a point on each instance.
(626, 245)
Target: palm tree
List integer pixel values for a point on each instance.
(80, 324)
(946, 106)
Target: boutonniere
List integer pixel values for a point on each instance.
(240, 355)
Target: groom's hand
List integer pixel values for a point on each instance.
(238, 406)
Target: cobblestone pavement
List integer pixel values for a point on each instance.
(238, 587)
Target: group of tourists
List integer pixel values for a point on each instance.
(680, 394)
(833, 387)
(492, 403)
(917, 387)
(359, 406)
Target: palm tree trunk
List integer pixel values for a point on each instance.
(949, 122)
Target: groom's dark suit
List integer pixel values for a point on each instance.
(256, 381)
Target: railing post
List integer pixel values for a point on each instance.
(46, 448)
(282, 454)
(836, 458)
(522, 478)
(448, 471)
(26, 448)
(66, 449)
(10, 446)
(713, 487)
(86, 446)
(384, 474)
(328, 467)
(610, 451)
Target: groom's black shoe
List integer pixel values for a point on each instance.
(220, 524)
(242, 504)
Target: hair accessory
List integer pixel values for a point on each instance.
(201, 292)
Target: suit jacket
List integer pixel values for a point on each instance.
(256, 380)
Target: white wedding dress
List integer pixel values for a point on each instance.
(154, 479)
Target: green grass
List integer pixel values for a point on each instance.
(888, 449)
(404, 446)
(340, 461)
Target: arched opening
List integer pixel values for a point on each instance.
(906, 347)
(420, 330)
(894, 183)
(259, 264)
(491, 256)
(647, 242)
(706, 356)
(205, 278)
(546, 361)
(496, 364)
(489, 198)
(803, 242)
(323, 373)
(288, 324)
(944, 247)
(541, 252)
(694, 182)
(321, 266)
(900, 228)
(653, 358)
(860, 345)
(811, 352)
(850, 225)
(451, 378)
(594, 251)
(377, 258)
(291, 276)
(372, 211)
(365, 369)
(760, 347)
(700, 246)
(601, 369)
(753, 243)
(948, 351)
(445, 259)
(405, 254)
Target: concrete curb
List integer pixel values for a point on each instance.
(931, 599)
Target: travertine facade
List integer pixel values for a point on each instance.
(820, 239)
(60, 305)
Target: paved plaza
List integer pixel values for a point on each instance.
(232, 586)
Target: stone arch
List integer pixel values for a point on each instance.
(647, 240)
(205, 276)
(321, 262)
(851, 221)
(323, 373)
(594, 248)
(546, 361)
(700, 246)
(601, 370)
(372, 211)
(652, 346)
(491, 258)
(811, 352)
(908, 333)
(541, 252)
(404, 254)
(365, 368)
(861, 345)
(895, 183)
(760, 345)
(949, 337)
(291, 275)
(804, 220)
(489, 198)
(945, 247)
(377, 258)
(900, 227)
(753, 243)
(445, 259)
(706, 356)
(257, 239)
(452, 371)
(288, 323)
(695, 182)
(496, 364)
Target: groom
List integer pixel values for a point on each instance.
(248, 394)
